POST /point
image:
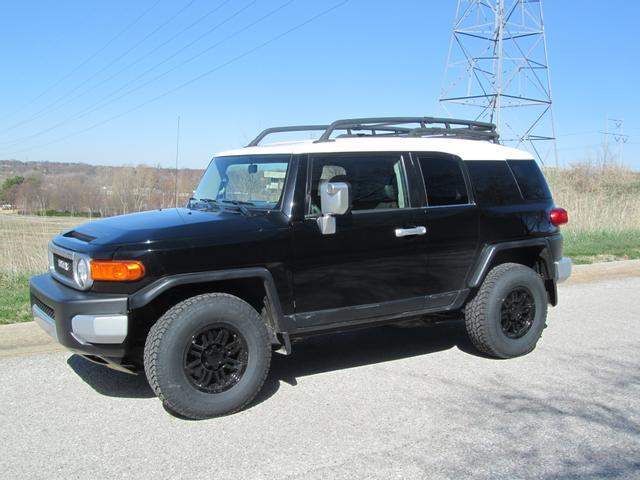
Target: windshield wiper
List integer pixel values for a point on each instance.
(241, 206)
(208, 201)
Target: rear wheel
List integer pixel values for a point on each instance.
(508, 314)
(207, 356)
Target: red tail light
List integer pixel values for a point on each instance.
(559, 216)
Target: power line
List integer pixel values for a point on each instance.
(43, 111)
(198, 77)
(106, 100)
(575, 134)
(86, 60)
(135, 62)
(580, 147)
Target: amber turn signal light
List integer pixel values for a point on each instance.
(116, 270)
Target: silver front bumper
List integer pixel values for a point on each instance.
(563, 269)
(100, 329)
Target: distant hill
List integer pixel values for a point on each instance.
(11, 168)
(77, 188)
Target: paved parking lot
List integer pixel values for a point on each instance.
(383, 403)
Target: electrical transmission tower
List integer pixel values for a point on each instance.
(617, 134)
(498, 61)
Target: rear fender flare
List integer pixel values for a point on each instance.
(489, 252)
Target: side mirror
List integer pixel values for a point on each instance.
(335, 199)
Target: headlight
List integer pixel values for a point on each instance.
(82, 273)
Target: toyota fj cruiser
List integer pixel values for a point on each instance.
(378, 220)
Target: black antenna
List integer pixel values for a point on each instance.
(177, 152)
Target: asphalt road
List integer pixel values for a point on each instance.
(384, 403)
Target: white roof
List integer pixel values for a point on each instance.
(465, 149)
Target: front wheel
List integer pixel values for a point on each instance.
(506, 317)
(207, 356)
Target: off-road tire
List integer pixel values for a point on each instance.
(165, 349)
(483, 313)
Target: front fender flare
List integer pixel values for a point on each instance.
(146, 295)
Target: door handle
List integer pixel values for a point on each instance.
(407, 232)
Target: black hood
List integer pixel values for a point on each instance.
(157, 226)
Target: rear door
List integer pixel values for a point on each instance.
(369, 267)
(451, 218)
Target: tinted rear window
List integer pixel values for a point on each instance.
(530, 179)
(493, 183)
(443, 180)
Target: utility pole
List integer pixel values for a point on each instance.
(498, 71)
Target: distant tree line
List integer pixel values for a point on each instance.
(95, 191)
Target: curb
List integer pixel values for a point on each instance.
(27, 338)
(597, 272)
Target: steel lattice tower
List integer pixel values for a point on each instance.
(498, 61)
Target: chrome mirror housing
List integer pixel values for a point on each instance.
(335, 199)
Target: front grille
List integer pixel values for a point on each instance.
(63, 266)
(43, 306)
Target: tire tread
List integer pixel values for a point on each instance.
(475, 312)
(152, 347)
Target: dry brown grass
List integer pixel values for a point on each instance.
(23, 241)
(598, 199)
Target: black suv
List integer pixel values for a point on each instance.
(376, 221)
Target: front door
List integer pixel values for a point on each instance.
(373, 265)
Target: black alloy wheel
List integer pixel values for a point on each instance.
(517, 312)
(208, 355)
(216, 358)
(506, 317)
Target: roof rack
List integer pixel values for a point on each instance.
(395, 127)
(297, 128)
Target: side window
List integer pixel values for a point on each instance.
(530, 179)
(443, 180)
(493, 183)
(377, 181)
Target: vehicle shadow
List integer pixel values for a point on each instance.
(108, 382)
(357, 348)
(312, 356)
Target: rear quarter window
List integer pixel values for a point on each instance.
(530, 179)
(443, 180)
(493, 183)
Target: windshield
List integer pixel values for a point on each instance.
(255, 181)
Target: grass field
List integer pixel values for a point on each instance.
(604, 211)
(603, 205)
(591, 247)
(23, 252)
(14, 298)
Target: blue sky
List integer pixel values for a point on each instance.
(79, 82)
